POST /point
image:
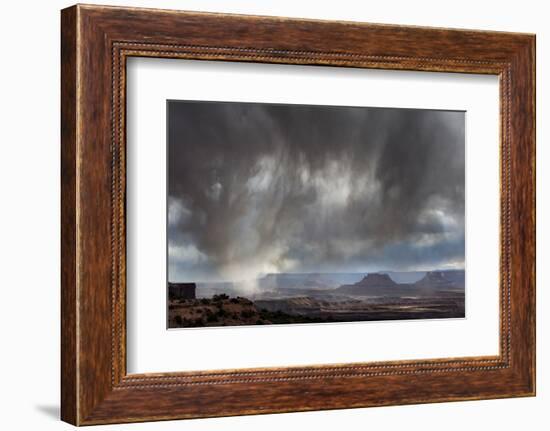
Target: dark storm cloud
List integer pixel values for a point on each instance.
(257, 188)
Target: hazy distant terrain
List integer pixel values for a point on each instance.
(324, 297)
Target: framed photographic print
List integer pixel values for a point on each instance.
(268, 215)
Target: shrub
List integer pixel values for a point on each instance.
(220, 297)
(247, 314)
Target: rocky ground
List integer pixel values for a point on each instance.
(221, 310)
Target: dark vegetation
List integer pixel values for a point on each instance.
(221, 310)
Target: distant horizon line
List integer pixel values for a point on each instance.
(319, 273)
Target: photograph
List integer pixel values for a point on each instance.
(291, 214)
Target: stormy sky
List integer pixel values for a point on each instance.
(266, 188)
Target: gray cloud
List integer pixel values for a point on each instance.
(256, 188)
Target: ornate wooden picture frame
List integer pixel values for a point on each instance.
(96, 41)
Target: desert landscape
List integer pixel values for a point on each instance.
(319, 298)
